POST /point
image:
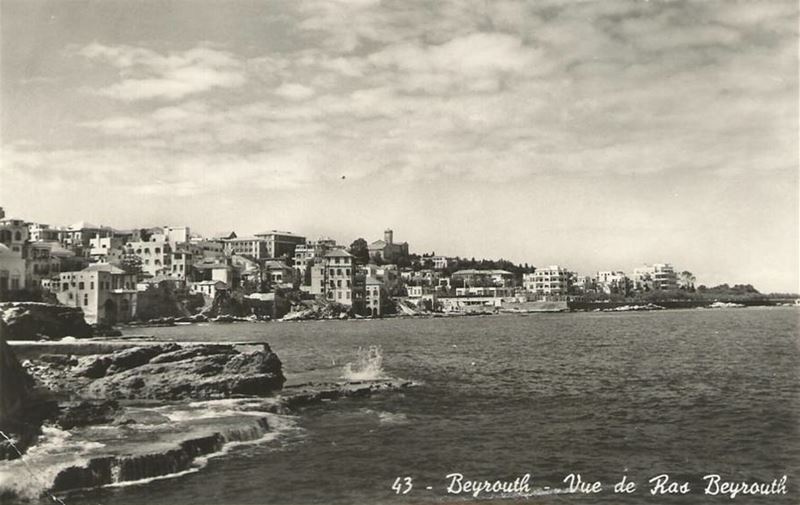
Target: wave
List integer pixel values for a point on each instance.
(367, 366)
(65, 461)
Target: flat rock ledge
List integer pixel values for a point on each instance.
(166, 372)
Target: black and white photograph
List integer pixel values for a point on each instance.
(399, 252)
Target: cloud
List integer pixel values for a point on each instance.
(294, 91)
(147, 75)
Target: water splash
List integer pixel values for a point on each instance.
(367, 366)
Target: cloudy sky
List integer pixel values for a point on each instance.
(596, 135)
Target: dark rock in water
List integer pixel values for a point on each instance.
(168, 372)
(203, 439)
(22, 407)
(32, 320)
(87, 413)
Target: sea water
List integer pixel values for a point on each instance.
(596, 396)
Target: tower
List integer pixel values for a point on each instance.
(387, 236)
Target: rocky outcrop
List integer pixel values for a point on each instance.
(22, 407)
(166, 372)
(32, 321)
(172, 459)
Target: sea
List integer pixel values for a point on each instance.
(666, 397)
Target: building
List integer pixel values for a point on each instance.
(78, 236)
(278, 274)
(551, 283)
(253, 246)
(281, 243)
(41, 264)
(207, 288)
(101, 246)
(655, 277)
(180, 264)
(332, 276)
(155, 255)
(387, 250)
(374, 297)
(481, 291)
(472, 277)
(441, 262)
(12, 271)
(105, 293)
(306, 252)
(14, 235)
(612, 282)
(42, 232)
(176, 234)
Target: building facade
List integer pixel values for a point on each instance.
(105, 293)
(332, 277)
(386, 249)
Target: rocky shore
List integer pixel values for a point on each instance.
(110, 412)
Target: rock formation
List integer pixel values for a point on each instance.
(166, 372)
(22, 407)
(33, 320)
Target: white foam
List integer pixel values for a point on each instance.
(368, 365)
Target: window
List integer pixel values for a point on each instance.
(85, 300)
(338, 283)
(158, 250)
(347, 272)
(65, 286)
(339, 295)
(80, 285)
(338, 271)
(91, 285)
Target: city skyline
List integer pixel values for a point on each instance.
(591, 135)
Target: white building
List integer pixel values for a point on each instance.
(551, 282)
(655, 277)
(105, 293)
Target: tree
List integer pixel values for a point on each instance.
(145, 234)
(686, 281)
(360, 250)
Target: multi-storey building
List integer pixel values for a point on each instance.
(373, 297)
(441, 262)
(332, 276)
(14, 235)
(254, 246)
(281, 243)
(472, 277)
(41, 264)
(156, 256)
(78, 236)
(305, 253)
(39, 232)
(655, 277)
(551, 282)
(101, 246)
(105, 293)
(12, 271)
(612, 282)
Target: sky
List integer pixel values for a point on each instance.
(597, 135)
